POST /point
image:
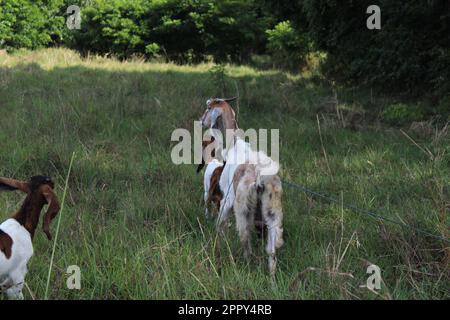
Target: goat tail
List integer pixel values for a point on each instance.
(269, 192)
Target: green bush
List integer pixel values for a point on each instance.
(287, 46)
(31, 24)
(185, 30)
(411, 52)
(402, 114)
(113, 26)
(152, 50)
(443, 108)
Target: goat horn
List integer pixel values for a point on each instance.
(230, 99)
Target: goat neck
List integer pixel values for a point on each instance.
(28, 214)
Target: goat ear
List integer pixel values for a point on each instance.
(52, 211)
(7, 184)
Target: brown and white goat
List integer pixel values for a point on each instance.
(258, 199)
(219, 115)
(16, 234)
(249, 183)
(254, 197)
(212, 193)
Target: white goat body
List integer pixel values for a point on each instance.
(16, 234)
(14, 268)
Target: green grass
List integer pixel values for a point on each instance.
(134, 222)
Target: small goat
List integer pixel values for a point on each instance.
(16, 234)
(212, 193)
(250, 185)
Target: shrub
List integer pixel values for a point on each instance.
(152, 50)
(287, 46)
(402, 114)
(185, 30)
(114, 26)
(31, 24)
(443, 108)
(408, 54)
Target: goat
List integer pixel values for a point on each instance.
(251, 186)
(16, 233)
(212, 193)
(255, 198)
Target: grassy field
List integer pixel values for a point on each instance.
(134, 222)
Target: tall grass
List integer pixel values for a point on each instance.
(133, 221)
(58, 226)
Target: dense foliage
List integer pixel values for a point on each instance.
(411, 52)
(30, 24)
(183, 31)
